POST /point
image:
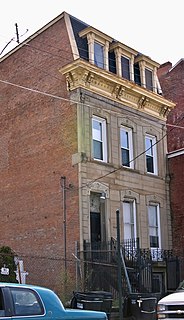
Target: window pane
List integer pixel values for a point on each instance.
(152, 216)
(125, 68)
(125, 157)
(137, 76)
(126, 146)
(149, 164)
(25, 302)
(128, 220)
(99, 139)
(97, 150)
(149, 146)
(124, 139)
(154, 242)
(153, 226)
(149, 81)
(98, 55)
(97, 130)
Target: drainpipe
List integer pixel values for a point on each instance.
(119, 267)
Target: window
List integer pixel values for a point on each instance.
(99, 139)
(26, 302)
(137, 76)
(149, 79)
(125, 67)
(151, 157)
(154, 226)
(126, 147)
(2, 309)
(129, 220)
(98, 55)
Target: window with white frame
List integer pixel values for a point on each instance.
(154, 226)
(126, 147)
(151, 154)
(125, 67)
(149, 79)
(99, 136)
(129, 220)
(98, 55)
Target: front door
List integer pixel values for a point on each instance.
(95, 227)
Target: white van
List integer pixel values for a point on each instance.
(172, 306)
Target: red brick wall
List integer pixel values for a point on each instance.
(176, 169)
(38, 135)
(172, 83)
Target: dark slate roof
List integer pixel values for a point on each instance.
(82, 44)
(77, 26)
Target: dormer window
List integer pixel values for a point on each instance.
(124, 57)
(98, 55)
(98, 46)
(148, 72)
(125, 67)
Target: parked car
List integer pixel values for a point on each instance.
(172, 305)
(22, 301)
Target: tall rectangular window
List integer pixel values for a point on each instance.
(149, 79)
(98, 55)
(126, 147)
(99, 136)
(154, 226)
(129, 220)
(151, 154)
(125, 67)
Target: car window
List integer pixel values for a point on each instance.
(26, 302)
(2, 310)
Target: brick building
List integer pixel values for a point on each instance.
(172, 81)
(82, 134)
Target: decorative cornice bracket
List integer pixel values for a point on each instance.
(164, 111)
(142, 102)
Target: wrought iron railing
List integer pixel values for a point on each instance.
(100, 260)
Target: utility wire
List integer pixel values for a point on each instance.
(90, 105)
(76, 55)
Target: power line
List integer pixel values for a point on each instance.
(76, 55)
(90, 105)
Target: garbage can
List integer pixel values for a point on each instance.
(93, 300)
(141, 306)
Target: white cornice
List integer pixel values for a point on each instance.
(83, 74)
(100, 34)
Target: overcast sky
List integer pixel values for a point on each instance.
(152, 27)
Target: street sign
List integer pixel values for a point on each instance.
(5, 271)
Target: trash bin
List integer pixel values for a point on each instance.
(141, 306)
(93, 300)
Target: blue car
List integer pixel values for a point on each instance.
(21, 301)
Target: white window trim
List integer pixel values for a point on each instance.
(158, 219)
(155, 164)
(156, 252)
(104, 138)
(134, 217)
(130, 141)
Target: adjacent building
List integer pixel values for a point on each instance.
(172, 79)
(82, 135)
